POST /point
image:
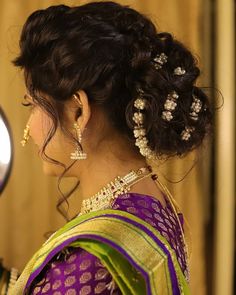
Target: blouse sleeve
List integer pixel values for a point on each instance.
(74, 271)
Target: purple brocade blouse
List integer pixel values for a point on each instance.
(80, 273)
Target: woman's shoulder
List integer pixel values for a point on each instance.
(74, 268)
(148, 208)
(160, 216)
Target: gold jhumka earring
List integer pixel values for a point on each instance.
(78, 154)
(26, 135)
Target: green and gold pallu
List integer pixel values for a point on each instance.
(138, 257)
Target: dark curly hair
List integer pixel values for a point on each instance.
(107, 50)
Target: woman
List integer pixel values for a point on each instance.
(109, 95)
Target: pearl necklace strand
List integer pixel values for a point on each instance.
(106, 196)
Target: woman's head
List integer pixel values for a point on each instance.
(105, 52)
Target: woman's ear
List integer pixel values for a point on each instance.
(83, 112)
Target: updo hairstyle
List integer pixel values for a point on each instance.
(107, 49)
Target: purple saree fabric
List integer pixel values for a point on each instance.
(76, 271)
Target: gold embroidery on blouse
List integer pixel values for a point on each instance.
(158, 216)
(142, 203)
(131, 210)
(70, 281)
(36, 290)
(173, 243)
(71, 258)
(168, 223)
(171, 232)
(71, 292)
(172, 219)
(46, 288)
(146, 212)
(85, 290)
(85, 277)
(180, 262)
(100, 288)
(155, 207)
(69, 269)
(162, 226)
(85, 264)
(56, 293)
(164, 213)
(41, 282)
(53, 265)
(56, 271)
(148, 220)
(127, 203)
(56, 284)
(101, 274)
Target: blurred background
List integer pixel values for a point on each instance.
(206, 195)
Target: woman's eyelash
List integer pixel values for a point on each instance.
(28, 104)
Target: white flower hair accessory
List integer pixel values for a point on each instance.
(169, 106)
(179, 71)
(186, 133)
(160, 60)
(139, 131)
(195, 108)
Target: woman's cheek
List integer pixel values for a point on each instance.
(40, 125)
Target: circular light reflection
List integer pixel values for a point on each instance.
(5, 144)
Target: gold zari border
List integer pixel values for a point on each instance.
(134, 241)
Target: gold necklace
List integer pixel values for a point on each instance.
(106, 196)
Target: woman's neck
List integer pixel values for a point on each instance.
(116, 157)
(100, 171)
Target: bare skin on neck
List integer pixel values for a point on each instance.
(107, 163)
(109, 154)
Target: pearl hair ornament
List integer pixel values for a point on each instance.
(195, 108)
(186, 133)
(179, 71)
(139, 130)
(160, 60)
(169, 106)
